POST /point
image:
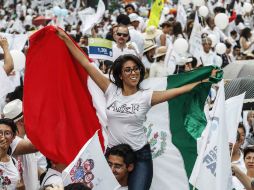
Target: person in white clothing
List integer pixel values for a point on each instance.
(9, 174)
(148, 54)
(136, 35)
(211, 28)
(160, 68)
(122, 36)
(14, 110)
(246, 41)
(249, 161)
(127, 105)
(53, 174)
(208, 57)
(166, 38)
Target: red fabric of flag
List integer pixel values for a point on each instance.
(58, 111)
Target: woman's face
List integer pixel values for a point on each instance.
(6, 136)
(130, 74)
(122, 35)
(168, 30)
(242, 135)
(249, 161)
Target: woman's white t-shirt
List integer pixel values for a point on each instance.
(126, 115)
(9, 175)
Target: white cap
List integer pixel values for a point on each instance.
(133, 17)
(13, 110)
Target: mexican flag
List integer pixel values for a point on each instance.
(174, 126)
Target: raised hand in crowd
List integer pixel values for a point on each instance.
(8, 62)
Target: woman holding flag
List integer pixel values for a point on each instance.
(127, 105)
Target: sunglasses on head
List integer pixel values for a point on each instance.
(122, 34)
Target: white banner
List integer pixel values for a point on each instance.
(181, 15)
(195, 41)
(212, 170)
(234, 107)
(90, 167)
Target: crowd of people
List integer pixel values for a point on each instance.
(140, 51)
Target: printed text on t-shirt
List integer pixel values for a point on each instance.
(124, 108)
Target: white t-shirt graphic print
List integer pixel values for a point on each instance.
(126, 115)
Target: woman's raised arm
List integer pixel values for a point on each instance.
(102, 81)
(162, 96)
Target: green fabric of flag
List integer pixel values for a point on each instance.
(187, 117)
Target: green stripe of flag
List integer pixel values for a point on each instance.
(187, 118)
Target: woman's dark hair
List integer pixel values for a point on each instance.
(116, 69)
(188, 28)
(10, 123)
(238, 19)
(228, 45)
(49, 165)
(177, 29)
(194, 62)
(245, 33)
(167, 23)
(233, 32)
(247, 150)
(241, 126)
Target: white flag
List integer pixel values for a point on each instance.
(181, 15)
(212, 170)
(234, 107)
(90, 167)
(90, 20)
(195, 41)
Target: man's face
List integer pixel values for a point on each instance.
(122, 35)
(237, 51)
(207, 46)
(211, 23)
(119, 168)
(129, 10)
(250, 118)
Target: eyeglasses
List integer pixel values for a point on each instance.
(7, 134)
(115, 166)
(129, 70)
(122, 34)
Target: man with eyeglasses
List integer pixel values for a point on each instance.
(122, 36)
(121, 159)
